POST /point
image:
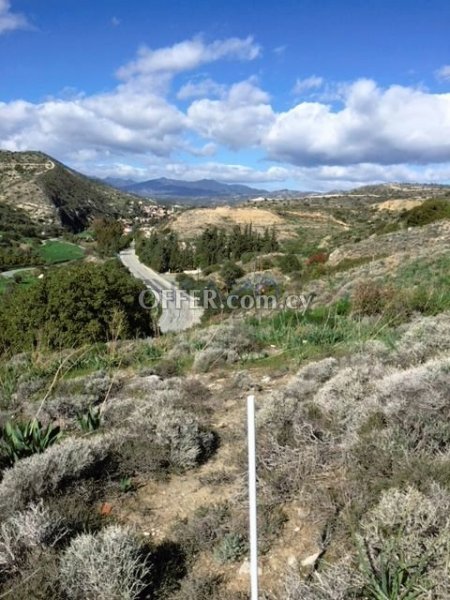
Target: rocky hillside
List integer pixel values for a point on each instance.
(53, 194)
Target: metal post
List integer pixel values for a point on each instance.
(252, 497)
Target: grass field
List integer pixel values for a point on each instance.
(24, 279)
(58, 251)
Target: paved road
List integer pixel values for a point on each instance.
(179, 312)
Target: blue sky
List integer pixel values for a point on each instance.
(303, 94)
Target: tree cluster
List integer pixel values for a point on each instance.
(69, 307)
(165, 252)
(13, 257)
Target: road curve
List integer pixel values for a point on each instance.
(179, 311)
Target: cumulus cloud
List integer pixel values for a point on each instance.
(200, 88)
(115, 122)
(134, 118)
(9, 21)
(240, 119)
(306, 85)
(443, 74)
(354, 132)
(386, 126)
(188, 55)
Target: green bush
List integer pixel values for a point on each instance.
(434, 209)
(230, 548)
(288, 263)
(24, 439)
(90, 420)
(80, 304)
(230, 272)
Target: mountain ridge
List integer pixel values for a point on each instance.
(53, 194)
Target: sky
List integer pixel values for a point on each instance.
(304, 94)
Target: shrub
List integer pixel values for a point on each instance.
(289, 263)
(433, 209)
(203, 529)
(193, 588)
(90, 420)
(266, 263)
(211, 269)
(109, 565)
(230, 272)
(335, 582)
(320, 258)
(24, 439)
(26, 531)
(405, 542)
(41, 474)
(158, 435)
(207, 359)
(230, 548)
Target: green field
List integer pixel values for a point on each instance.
(23, 278)
(56, 251)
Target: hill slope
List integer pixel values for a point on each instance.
(52, 194)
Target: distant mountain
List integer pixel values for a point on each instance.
(52, 194)
(175, 189)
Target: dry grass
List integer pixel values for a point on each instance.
(191, 223)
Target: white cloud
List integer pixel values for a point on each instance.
(134, 118)
(240, 119)
(115, 22)
(306, 85)
(10, 21)
(351, 176)
(202, 87)
(118, 122)
(443, 74)
(227, 173)
(386, 126)
(350, 134)
(188, 55)
(280, 50)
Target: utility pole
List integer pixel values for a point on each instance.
(252, 497)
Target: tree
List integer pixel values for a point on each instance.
(109, 236)
(230, 272)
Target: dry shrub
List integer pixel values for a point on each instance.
(222, 344)
(371, 298)
(319, 258)
(25, 532)
(334, 582)
(213, 357)
(153, 421)
(110, 565)
(409, 532)
(203, 529)
(43, 474)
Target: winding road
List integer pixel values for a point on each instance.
(179, 310)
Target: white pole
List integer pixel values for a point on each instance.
(252, 497)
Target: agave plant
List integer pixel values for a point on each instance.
(24, 439)
(90, 420)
